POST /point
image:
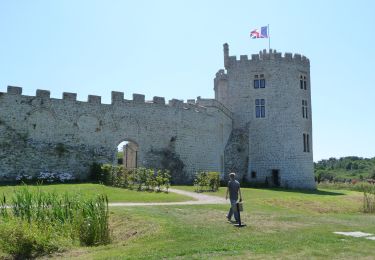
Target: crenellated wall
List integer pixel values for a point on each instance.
(43, 134)
(271, 55)
(275, 142)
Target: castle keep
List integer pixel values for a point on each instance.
(258, 125)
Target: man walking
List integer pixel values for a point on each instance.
(233, 191)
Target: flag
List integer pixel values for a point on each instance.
(262, 33)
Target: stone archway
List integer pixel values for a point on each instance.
(130, 156)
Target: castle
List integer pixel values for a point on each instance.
(259, 125)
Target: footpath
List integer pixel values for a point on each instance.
(198, 199)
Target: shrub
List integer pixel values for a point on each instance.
(214, 180)
(96, 173)
(207, 181)
(201, 181)
(162, 180)
(139, 178)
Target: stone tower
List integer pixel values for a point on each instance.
(270, 98)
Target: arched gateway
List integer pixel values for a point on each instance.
(43, 134)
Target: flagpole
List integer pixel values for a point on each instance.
(269, 38)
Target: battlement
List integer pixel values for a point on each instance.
(221, 75)
(263, 56)
(117, 99)
(14, 90)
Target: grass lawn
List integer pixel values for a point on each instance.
(114, 194)
(280, 224)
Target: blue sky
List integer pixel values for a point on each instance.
(174, 48)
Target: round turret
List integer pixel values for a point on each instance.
(270, 98)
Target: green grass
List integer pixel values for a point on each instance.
(280, 224)
(90, 190)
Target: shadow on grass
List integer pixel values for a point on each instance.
(312, 192)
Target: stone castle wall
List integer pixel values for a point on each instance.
(43, 134)
(275, 142)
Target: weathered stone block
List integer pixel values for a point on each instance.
(159, 100)
(69, 96)
(138, 98)
(14, 90)
(94, 99)
(117, 97)
(43, 93)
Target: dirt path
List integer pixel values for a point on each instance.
(199, 199)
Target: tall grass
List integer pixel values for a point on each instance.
(369, 198)
(92, 224)
(367, 189)
(82, 220)
(3, 207)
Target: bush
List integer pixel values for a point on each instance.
(96, 173)
(139, 178)
(207, 181)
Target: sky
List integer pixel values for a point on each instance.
(173, 49)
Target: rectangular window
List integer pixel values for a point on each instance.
(304, 109)
(303, 82)
(259, 81)
(256, 83)
(257, 108)
(262, 83)
(306, 143)
(260, 108)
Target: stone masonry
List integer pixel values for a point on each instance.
(42, 134)
(279, 142)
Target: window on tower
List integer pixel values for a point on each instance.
(303, 82)
(304, 109)
(259, 81)
(260, 108)
(306, 143)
